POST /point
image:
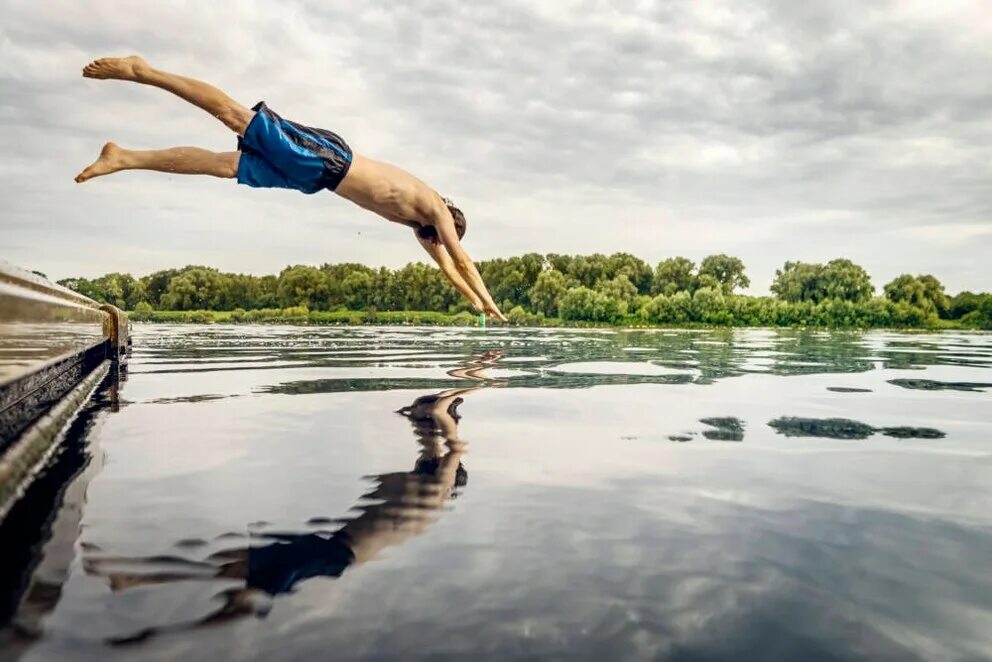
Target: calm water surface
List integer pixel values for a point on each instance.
(278, 493)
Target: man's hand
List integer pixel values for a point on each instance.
(444, 224)
(440, 255)
(493, 311)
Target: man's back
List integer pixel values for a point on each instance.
(389, 191)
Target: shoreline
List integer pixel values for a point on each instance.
(291, 317)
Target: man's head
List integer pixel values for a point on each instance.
(456, 213)
(430, 232)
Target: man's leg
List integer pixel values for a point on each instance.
(206, 96)
(177, 160)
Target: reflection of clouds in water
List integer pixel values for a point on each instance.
(816, 581)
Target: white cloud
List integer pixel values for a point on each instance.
(771, 131)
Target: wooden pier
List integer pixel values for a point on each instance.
(56, 347)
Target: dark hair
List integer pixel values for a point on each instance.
(430, 232)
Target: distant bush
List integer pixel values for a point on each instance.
(142, 312)
(584, 304)
(520, 317)
(263, 314)
(296, 314)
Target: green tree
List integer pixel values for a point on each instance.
(142, 311)
(924, 292)
(418, 286)
(799, 281)
(341, 281)
(301, 285)
(547, 292)
(558, 262)
(934, 292)
(981, 316)
(905, 287)
(240, 291)
(582, 303)
(966, 302)
(121, 290)
(619, 288)
(676, 274)
(671, 309)
(356, 290)
(195, 289)
(725, 270)
(839, 279)
(268, 296)
(156, 284)
(114, 289)
(517, 316)
(709, 306)
(506, 279)
(86, 287)
(846, 281)
(580, 288)
(636, 270)
(587, 270)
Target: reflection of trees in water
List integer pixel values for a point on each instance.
(844, 428)
(938, 350)
(524, 381)
(818, 353)
(931, 385)
(709, 354)
(694, 356)
(702, 358)
(727, 428)
(397, 506)
(720, 354)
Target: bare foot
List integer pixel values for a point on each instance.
(111, 160)
(122, 68)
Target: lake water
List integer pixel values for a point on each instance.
(278, 493)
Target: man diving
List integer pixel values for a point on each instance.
(276, 153)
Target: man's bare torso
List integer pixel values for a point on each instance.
(389, 191)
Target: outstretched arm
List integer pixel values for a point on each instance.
(445, 227)
(436, 251)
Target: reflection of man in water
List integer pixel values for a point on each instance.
(404, 504)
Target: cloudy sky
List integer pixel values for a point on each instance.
(772, 130)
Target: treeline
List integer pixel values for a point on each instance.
(536, 289)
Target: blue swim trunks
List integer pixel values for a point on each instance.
(277, 153)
